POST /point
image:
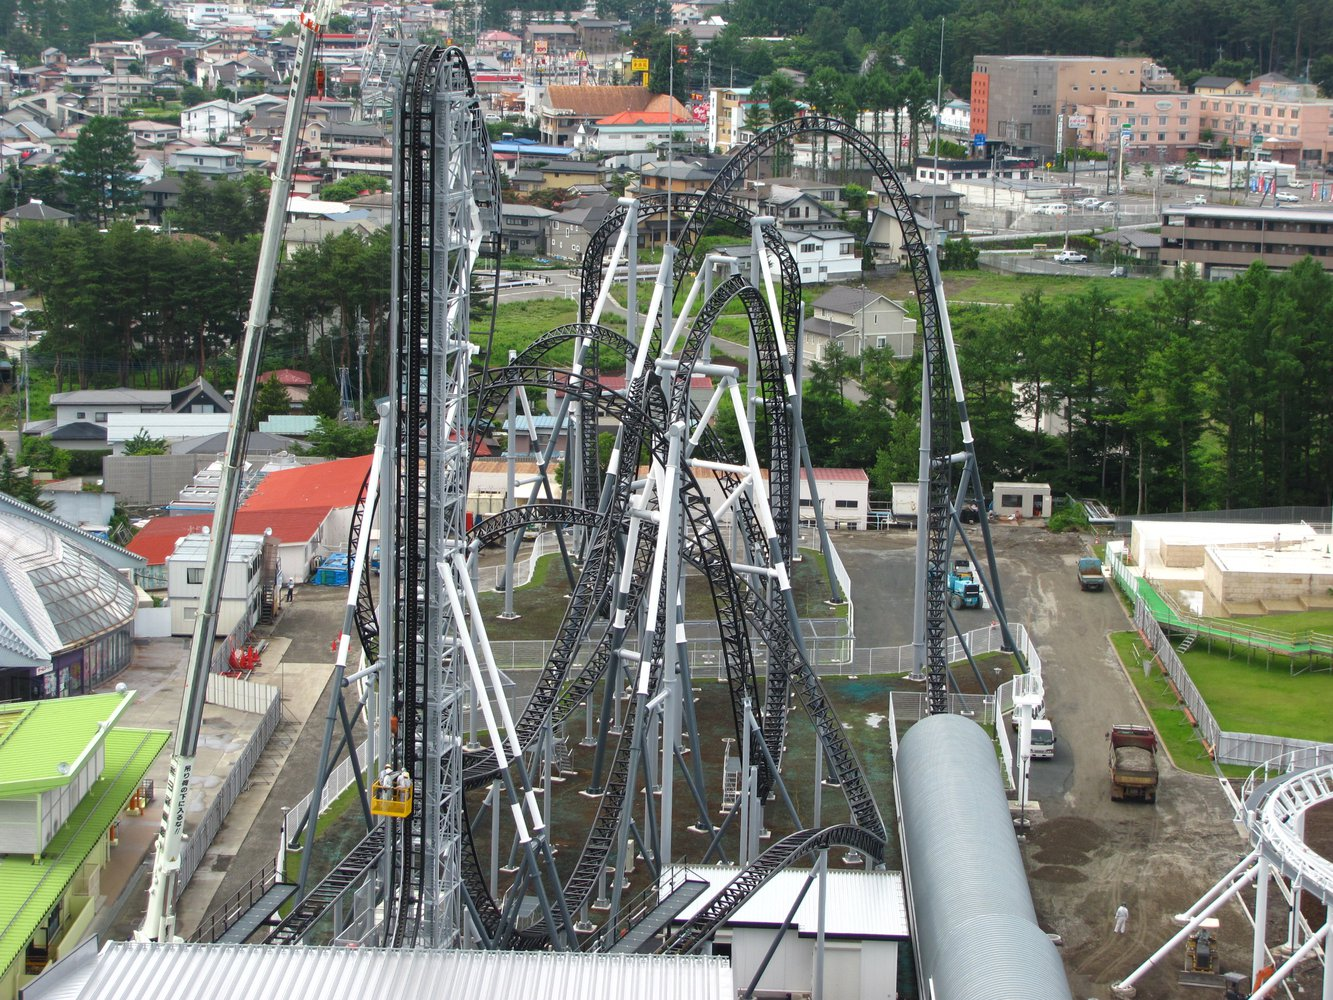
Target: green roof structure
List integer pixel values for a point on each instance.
(44, 743)
(29, 891)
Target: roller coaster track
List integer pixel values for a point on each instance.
(426, 516)
(714, 204)
(704, 924)
(774, 370)
(446, 194)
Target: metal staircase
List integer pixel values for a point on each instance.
(348, 873)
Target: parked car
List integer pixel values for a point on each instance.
(1071, 257)
(1286, 196)
(1088, 202)
(1054, 208)
(1295, 183)
(1107, 206)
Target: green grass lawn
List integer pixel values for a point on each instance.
(518, 324)
(1008, 289)
(1242, 697)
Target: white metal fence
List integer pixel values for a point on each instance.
(1245, 749)
(202, 835)
(339, 779)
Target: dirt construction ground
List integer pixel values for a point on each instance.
(1086, 854)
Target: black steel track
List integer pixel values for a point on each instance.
(643, 411)
(420, 479)
(714, 204)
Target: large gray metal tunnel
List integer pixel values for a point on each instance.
(974, 927)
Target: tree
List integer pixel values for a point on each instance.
(19, 486)
(323, 400)
(352, 186)
(39, 453)
(97, 171)
(272, 398)
(959, 255)
(142, 444)
(334, 439)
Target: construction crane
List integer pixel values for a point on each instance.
(160, 920)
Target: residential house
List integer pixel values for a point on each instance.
(1133, 243)
(494, 42)
(212, 120)
(153, 133)
(596, 35)
(1218, 86)
(121, 91)
(824, 255)
(568, 173)
(679, 176)
(956, 117)
(550, 39)
(569, 231)
(857, 319)
(632, 131)
(96, 416)
(795, 209)
(209, 161)
(565, 107)
(939, 202)
(83, 77)
(326, 135)
(159, 197)
(886, 233)
(523, 229)
(527, 181)
(297, 383)
(34, 211)
(311, 232)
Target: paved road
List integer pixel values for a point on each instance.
(1085, 854)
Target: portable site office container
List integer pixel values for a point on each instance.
(1026, 499)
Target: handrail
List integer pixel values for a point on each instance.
(234, 908)
(641, 905)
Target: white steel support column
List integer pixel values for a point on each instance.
(1259, 954)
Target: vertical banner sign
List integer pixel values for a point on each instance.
(1060, 135)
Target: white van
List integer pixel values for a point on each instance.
(1053, 208)
(1043, 738)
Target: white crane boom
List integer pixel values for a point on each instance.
(160, 919)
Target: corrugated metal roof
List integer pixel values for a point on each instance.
(28, 891)
(205, 972)
(49, 733)
(974, 921)
(870, 905)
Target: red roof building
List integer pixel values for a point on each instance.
(328, 485)
(297, 383)
(308, 509)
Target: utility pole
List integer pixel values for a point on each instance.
(362, 331)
